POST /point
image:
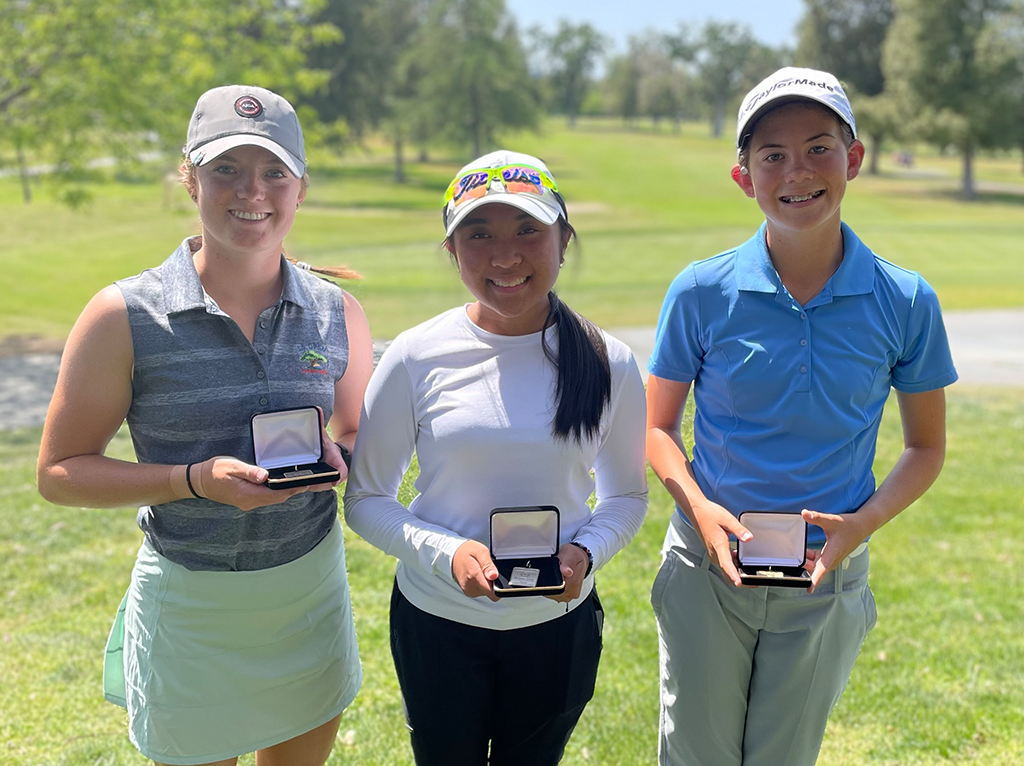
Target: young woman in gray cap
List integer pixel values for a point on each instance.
(508, 402)
(236, 632)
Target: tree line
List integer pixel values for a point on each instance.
(115, 77)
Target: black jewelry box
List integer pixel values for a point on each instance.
(524, 548)
(775, 556)
(287, 444)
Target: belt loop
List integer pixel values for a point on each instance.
(838, 572)
(705, 561)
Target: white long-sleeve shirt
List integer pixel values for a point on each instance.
(477, 409)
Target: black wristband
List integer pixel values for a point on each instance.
(346, 454)
(188, 480)
(590, 557)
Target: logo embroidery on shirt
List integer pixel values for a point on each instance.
(314, 360)
(754, 347)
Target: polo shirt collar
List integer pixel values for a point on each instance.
(181, 284)
(295, 289)
(856, 274)
(185, 290)
(755, 271)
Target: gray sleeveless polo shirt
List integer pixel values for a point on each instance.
(196, 384)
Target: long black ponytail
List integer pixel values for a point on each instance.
(583, 386)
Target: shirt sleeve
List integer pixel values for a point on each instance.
(925, 363)
(381, 456)
(620, 474)
(678, 352)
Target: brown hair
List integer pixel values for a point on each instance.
(187, 171)
(845, 131)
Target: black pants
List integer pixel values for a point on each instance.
(521, 691)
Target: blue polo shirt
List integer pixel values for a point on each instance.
(789, 397)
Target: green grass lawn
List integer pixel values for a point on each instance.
(645, 203)
(940, 679)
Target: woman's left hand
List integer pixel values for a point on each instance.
(331, 453)
(573, 563)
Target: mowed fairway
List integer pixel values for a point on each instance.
(645, 204)
(940, 679)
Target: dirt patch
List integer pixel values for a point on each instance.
(19, 345)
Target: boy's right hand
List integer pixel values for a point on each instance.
(714, 524)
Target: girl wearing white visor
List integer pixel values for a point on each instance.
(507, 402)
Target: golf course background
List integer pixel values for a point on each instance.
(940, 679)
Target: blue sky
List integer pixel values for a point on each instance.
(772, 21)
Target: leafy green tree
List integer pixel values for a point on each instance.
(362, 62)
(846, 37)
(938, 62)
(107, 77)
(474, 80)
(728, 61)
(572, 53)
(625, 74)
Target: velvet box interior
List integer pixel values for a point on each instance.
(776, 554)
(287, 443)
(524, 547)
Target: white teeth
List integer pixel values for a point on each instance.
(803, 197)
(249, 216)
(513, 283)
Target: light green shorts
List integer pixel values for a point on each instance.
(211, 665)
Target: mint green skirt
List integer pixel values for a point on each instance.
(211, 665)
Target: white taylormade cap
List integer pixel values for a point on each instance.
(793, 84)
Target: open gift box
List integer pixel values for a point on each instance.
(287, 444)
(776, 554)
(524, 548)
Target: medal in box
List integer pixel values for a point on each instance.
(524, 548)
(287, 444)
(775, 556)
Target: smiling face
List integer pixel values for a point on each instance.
(247, 200)
(509, 262)
(798, 168)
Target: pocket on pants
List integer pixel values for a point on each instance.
(870, 610)
(661, 583)
(584, 653)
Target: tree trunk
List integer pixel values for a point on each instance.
(718, 117)
(968, 179)
(399, 164)
(572, 120)
(876, 149)
(26, 190)
(424, 155)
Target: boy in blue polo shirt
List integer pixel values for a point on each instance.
(790, 342)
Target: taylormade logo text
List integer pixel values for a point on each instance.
(758, 97)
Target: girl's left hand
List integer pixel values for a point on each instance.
(331, 453)
(573, 563)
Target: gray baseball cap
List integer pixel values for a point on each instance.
(243, 115)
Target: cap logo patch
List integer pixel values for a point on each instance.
(247, 106)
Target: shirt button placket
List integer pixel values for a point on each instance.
(805, 366)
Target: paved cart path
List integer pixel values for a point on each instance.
(988, 349)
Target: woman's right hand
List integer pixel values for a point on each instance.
(474, 571)
(714, 524)
(231, 481)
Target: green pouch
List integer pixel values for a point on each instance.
(113, 660)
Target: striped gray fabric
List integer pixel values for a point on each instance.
(197, 383)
